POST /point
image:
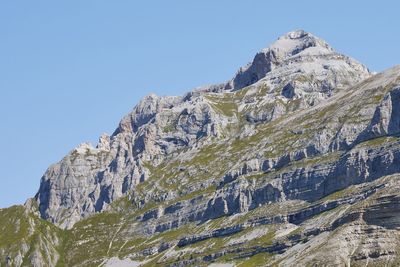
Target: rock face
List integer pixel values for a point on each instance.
(294, 47)
(298, 66)
(295, 156)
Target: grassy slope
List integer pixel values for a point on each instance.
(25, 236)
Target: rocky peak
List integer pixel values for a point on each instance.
(145, 111)
(104, 142)
(298, 66)
(296, 42)
(294, 47)
(302, 161)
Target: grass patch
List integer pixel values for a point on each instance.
(258, 260)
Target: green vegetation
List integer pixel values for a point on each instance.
(14, 225)
(264, 240)
(122, 204)
(379, 141)
(225, 104)
(24, 234)
(94, 236)
(336, 195)
(258, 260)
(169, 128)
(110, 234)
(317, 160)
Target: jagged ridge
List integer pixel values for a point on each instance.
(297, 71)
(274, 167)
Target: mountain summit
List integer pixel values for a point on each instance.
(296, 42)
(297, 51)
(295, 156)
(298, 66)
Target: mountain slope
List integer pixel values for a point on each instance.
(26, 240)
(294, 162)
(302, 70)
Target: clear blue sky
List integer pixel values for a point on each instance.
(69, 70)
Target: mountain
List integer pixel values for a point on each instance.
(293, 162)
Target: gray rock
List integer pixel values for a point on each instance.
(276, 146)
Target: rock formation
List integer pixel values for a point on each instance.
(293, 162)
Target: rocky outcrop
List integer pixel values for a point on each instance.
(268, 59)
(386, 119)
